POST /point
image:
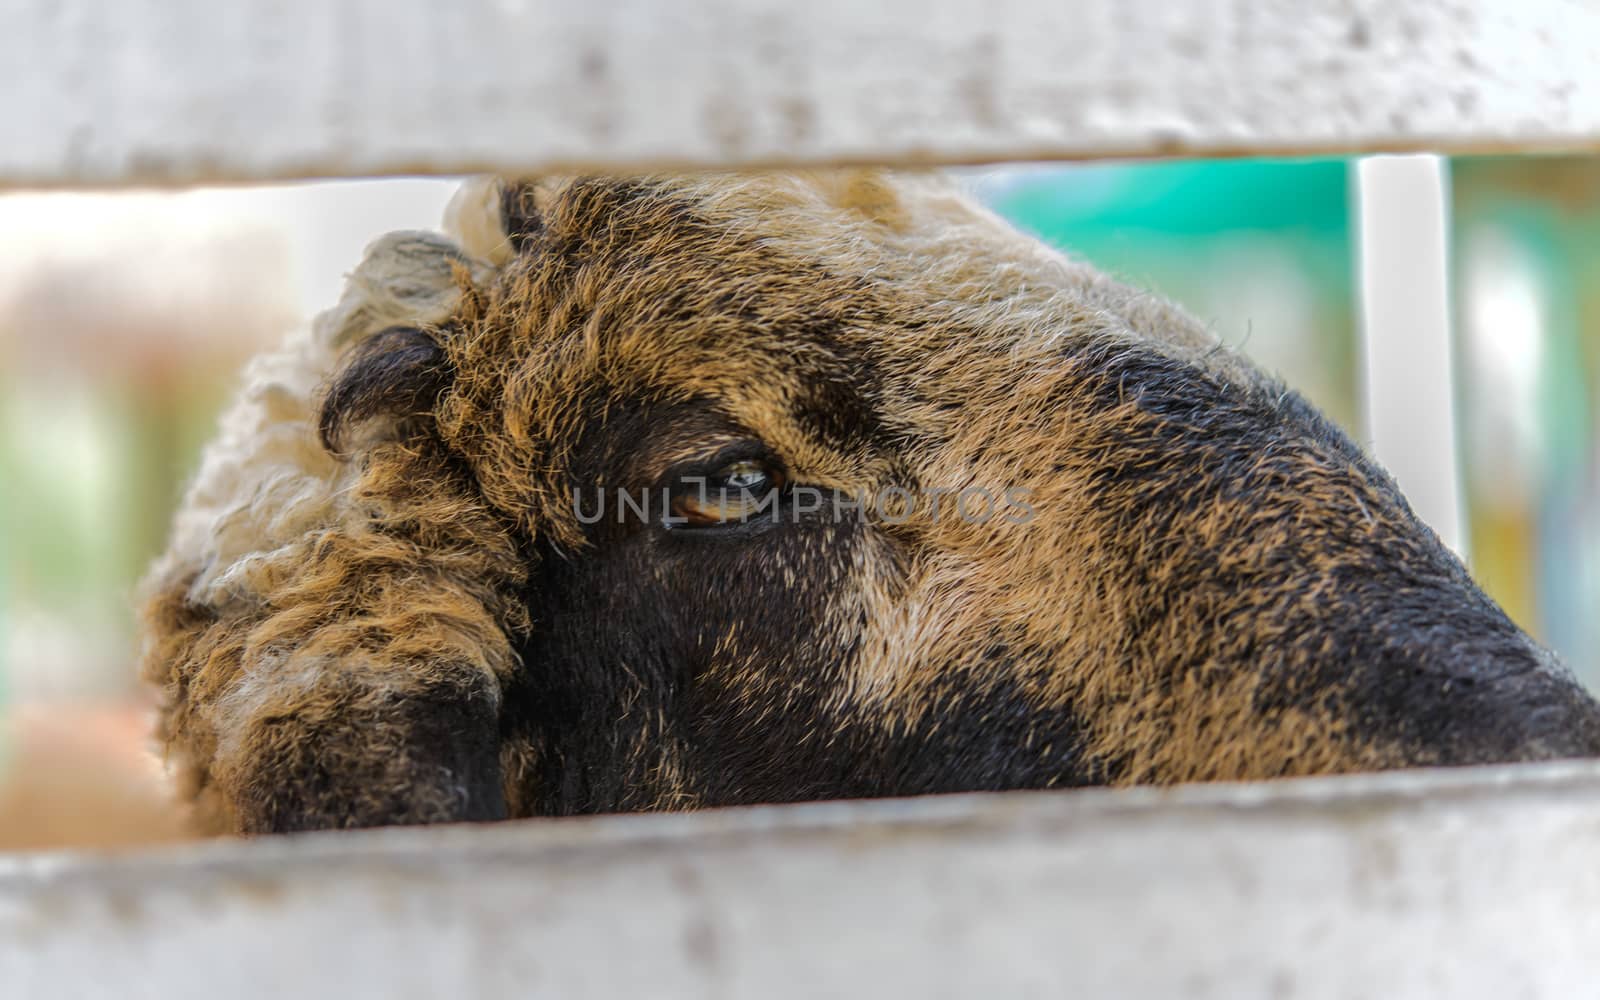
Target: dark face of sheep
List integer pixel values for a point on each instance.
(761, 489)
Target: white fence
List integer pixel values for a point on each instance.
(194, 90)
(1403, 885)
(1468, 884)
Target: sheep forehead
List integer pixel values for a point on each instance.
(919, 236)
(907, 248)
(919, 231)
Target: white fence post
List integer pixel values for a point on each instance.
(1409, 388)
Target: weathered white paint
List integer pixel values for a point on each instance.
(187, 90)
(1409, 387)
(1482, 883)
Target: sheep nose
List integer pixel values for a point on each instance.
(1527, 716)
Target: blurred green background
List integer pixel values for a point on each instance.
(124, 320)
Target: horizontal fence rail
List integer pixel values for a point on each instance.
(1481, 883)
(178, 91)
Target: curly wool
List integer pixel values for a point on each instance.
(286, 562)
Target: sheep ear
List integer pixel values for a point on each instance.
(407, 284)
(394, 377)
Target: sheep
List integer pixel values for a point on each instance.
(671, 492)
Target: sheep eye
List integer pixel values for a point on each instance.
(746, 476)
(732, 494)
